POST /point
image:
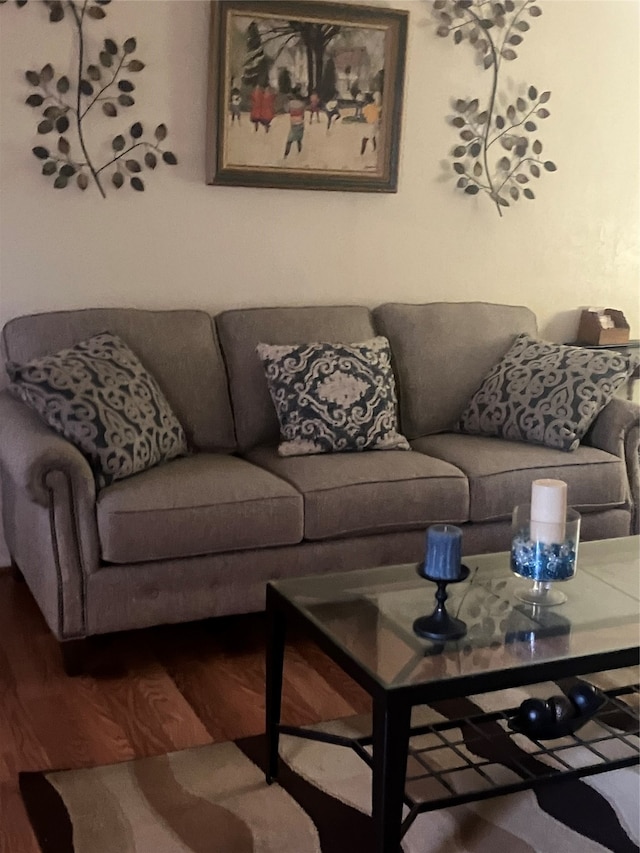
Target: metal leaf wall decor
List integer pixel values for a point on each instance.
(65, 103)
(498, 152)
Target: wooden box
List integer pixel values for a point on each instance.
(591, 332)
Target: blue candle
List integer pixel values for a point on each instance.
(444, 549)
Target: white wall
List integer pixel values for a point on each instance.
(183, 243)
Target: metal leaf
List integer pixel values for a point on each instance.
(486, 24)
(472, 189)
(507, 142)
(82, 181)
(467, 135)
(53, 112)
(86, 88)
(504, 163)
(523, 26)
(49, 168)
(459, 151)
(459, 168)
(457, 37)
(130, 45)
(544, 97)
(94, 72)
(150, 159)
(482, 117)
(96, 12)
(45, 126)
(62, 124)
(33, 77)
(118, 142)
(126, 100)
(521, 104)
(35, 100)
(550, 166)
(60, 182)
(537, 147)
(543, 113)
(535, 11)
(501, 200)
(475, 149)
(56, 13)
(515, 39)
(473, 105)
(533, 93)
(41, 152)
(514, 192)
(500, 122)
(535, 170)
(458, 121)
(68, 170)
(117, 179)
(160, 132)
(126, 86)
(509, 5)
(522, 179)
(137, 184)
(106, 60)
(63, 145)
(170, 158)
(487, 62)
(461, 105)
(508, 53)
(442, 31)
(133, 166)
(527, 193)
(511, 112)
(136, 130)
(530, 126)
(477, 169)
(134, 65)
(110, 46)
(46, 73)
(63, 84)
(109, 109)
(461, 183)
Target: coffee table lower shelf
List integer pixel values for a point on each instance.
(478, 757)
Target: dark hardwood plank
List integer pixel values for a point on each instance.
(149, 692)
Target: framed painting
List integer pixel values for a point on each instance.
(305, 95)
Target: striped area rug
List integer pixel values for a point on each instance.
(214, 799)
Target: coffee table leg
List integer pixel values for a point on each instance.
(274, 667)
(391, 723)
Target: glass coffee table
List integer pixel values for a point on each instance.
(364, 619)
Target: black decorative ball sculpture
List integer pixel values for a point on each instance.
(558, 716)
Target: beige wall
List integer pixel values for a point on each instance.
(183, 243)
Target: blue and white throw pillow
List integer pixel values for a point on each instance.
(331, 398)
(100, 397)
(545, 393)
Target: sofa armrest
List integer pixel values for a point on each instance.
(617, 430)
(30, 451)
(49, 512)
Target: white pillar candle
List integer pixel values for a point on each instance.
(548, 511)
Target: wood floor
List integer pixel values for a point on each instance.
(143, 698)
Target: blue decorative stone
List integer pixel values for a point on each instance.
(541, 562)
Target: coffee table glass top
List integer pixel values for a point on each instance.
(369, 614)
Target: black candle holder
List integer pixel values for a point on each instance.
(440, 625)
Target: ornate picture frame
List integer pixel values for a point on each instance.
(305, 95)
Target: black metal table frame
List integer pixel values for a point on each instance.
(391, 729)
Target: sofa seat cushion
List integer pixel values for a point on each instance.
(202, 504)
(500, 472)
(351, 494)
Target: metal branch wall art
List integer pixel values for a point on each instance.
(498, 152)
(66, 103)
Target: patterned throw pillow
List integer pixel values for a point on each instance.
(98, 396)
(545, 393)
(333, 397)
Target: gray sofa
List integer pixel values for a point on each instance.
(200, 536)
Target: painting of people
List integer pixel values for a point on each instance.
(305, 95)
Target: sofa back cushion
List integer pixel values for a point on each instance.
(179, 348)
(240, 332)
(442, 352)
